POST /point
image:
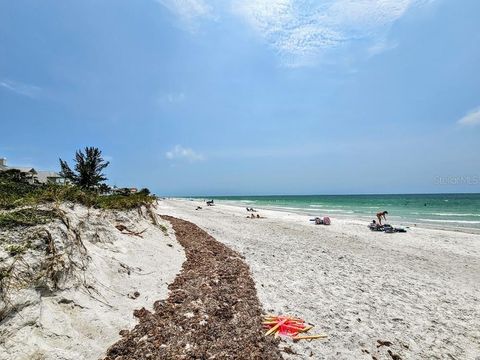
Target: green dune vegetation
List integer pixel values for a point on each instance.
(21, 202)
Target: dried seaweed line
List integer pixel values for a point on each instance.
(212, 310)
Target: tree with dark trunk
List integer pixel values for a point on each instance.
(88, 169)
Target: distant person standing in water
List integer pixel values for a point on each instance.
(381, 215)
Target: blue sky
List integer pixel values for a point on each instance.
(214, 97)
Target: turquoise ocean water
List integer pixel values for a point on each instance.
(435, 210)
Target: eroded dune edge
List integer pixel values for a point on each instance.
(67, 287)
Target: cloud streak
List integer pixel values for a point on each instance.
(472, 118)
(189, 11)
(19, 88)
(181, 153)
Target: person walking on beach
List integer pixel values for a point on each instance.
(380, 215)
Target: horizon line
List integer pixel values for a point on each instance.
(346, 194)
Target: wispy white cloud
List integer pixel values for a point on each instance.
(180, 152)
(302, 29)
(189, 11)
(472, 118)
(290, 27)
(380, 46)
(19, 88)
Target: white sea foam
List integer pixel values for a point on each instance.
(284, 207)
(453, 214)
(321, 206)
(333, 210)
(445, 214)
(451, 221)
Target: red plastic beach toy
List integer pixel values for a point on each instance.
(288, 326)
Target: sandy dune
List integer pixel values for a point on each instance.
(83, 318)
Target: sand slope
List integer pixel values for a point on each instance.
(83, 318)
(419, 290)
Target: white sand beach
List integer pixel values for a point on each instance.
(418, 290)
(417, 293)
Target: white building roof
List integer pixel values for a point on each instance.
(19, 168)
(43, 176)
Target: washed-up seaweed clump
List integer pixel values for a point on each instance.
(212, 312)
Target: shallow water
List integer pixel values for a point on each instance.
(447, 210)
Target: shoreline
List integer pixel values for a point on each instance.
(352, 217)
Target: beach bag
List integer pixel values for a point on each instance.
(326, 220)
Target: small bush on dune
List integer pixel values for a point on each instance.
(123, 202)
(15, 249)
(89, 198)
(13, 190)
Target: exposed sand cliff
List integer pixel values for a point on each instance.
(76, 285)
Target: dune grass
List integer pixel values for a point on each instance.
(14, 194)
(25, 217)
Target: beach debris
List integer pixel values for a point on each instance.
(214, 295)
(288, 350)
(309, 337)
(290, 327)
(383, 343)
(133, 295)
(124, 230)
(394, 356)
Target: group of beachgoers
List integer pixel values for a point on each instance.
(253, 216)
(375, 225)
(378, 226)
(208, 202)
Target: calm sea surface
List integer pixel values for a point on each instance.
(438, 210)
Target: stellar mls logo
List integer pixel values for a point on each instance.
(457, 180)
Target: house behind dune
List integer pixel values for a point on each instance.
(33, 176)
